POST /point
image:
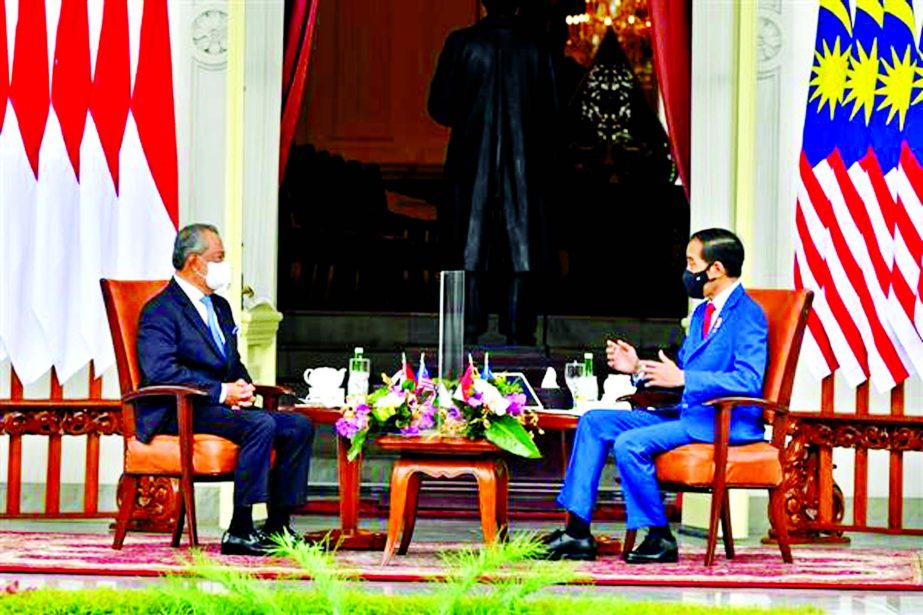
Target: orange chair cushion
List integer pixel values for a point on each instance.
(211, 455)
(755, 465)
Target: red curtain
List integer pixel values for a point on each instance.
(671, 37)
(298, 40)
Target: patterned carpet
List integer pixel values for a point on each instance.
(755, 567)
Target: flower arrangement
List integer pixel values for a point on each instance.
(482, 406)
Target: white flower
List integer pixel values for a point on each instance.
(491, 397)
(444, 397)
(391, 400)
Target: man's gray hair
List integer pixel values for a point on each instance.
(190, 240)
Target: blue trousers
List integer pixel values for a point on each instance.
(636, 436)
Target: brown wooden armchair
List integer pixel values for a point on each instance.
(188, 457)
(718, 467)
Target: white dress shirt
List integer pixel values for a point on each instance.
(195, 295)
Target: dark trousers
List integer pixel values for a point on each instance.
(257, 433)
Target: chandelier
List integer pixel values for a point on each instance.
(630, 19)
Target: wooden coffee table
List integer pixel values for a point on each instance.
(444, 458)
(349, 472)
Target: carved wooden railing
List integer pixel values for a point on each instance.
(56, 417)
(815, 504)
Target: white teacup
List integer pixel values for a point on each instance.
(615, 386)
(326, 379)
(327, 397)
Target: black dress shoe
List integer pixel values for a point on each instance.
(251, 544)
(287, 529)
(561, 545)
(654, 550)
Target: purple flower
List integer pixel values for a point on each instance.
(454, 414)
(517, 401)
(426, 421)
(347, 428)
(410, 430)
(475, 400)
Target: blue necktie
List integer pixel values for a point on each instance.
(213, 324)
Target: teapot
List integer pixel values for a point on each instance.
(324, 378)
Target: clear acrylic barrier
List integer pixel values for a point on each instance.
(451, 324)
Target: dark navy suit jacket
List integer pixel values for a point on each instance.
(730, 361)
(175, 347)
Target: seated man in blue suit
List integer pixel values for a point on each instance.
(187, 337)
(725, 353)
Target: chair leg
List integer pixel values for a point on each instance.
(503, 500)
(400, 478)
(180, 521)
(189, 500)
(410, 512)
(779, 523)
(487, 500)
(629, 544)
(717, 503)
(726, 532)
(128, 491)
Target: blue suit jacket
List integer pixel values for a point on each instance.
(176, 347)
(730, 361)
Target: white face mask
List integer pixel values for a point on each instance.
(218, 275)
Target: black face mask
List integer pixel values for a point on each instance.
(695, 282)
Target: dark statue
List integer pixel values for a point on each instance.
(494, 87)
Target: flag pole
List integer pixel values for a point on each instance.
(234, 159)
(745, 142)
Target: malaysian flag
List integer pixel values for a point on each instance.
(847, 208)
(906, 311)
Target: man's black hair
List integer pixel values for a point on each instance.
(720, 244)
(501, 7)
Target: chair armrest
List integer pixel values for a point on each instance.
(271, 394)
(184, 396)
(733, 402)
(163, 391)
(773, 413)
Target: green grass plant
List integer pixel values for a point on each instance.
(198, 602)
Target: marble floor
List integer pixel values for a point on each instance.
(834, 602)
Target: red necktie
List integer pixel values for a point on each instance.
(706, 324)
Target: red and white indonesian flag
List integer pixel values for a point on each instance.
(88, 171)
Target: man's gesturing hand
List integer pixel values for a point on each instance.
(663, 373)
(622, 357)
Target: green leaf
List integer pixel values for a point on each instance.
(509, 434)
(383, 414)
(356, 444)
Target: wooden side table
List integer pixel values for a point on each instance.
(348, 535)
(444, 458)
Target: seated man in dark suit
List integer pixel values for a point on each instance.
(187, 337)
(724, 353)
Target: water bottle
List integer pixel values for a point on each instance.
(357, 387)
(590, 389)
